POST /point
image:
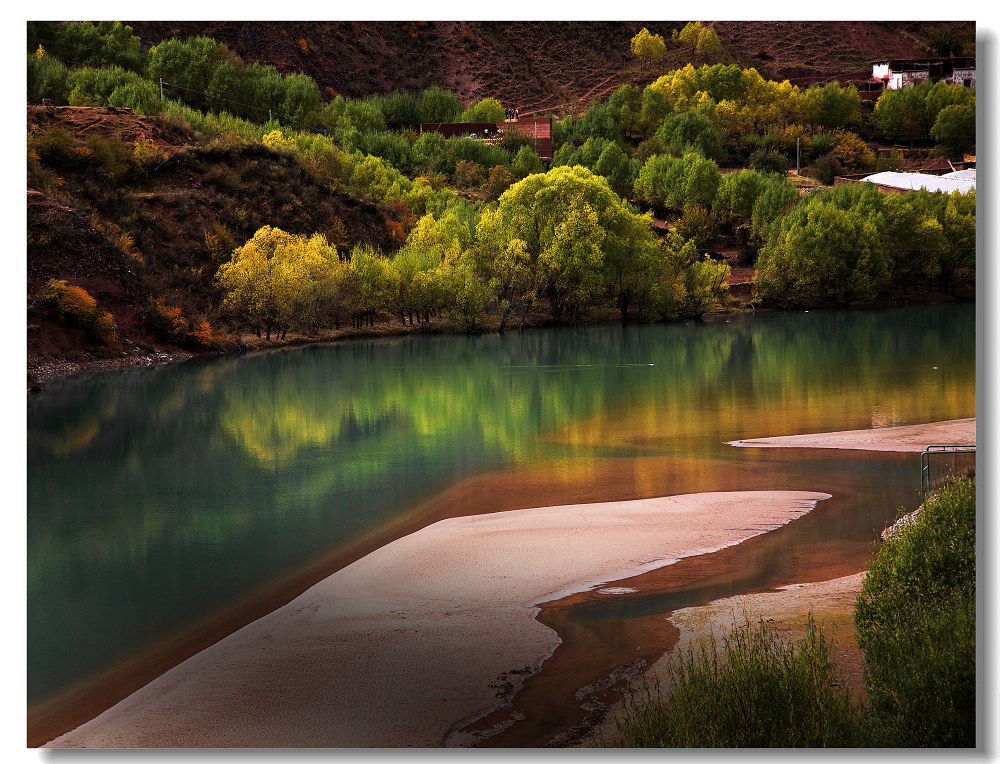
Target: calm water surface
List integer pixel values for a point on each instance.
(159, 496)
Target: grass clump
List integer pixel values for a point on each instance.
(757, 692)
(916, 624)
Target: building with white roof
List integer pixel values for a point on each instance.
(960, 181)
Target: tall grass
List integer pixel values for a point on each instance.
(916, 624)
(756, 692)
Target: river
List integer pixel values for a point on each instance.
(169, 505)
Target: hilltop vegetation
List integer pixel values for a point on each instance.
(252, 201)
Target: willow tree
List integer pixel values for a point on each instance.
(567, 235)
(278, 281)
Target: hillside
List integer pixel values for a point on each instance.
(145, 240)
(525, 64)
(185, 218)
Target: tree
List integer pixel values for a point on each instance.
(688, 36)
(46, 78)
(437, 105)
(484, 110)
(567, 234)
(625, 105)
(831, 106)
(302, 101)
(708, 43)
(278, 281)
(693, 130)
(188, 65)
(676, 183)
(648, 47)
(828, 246)
(955, 129)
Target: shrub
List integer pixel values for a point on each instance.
(56, 148)
(70, 302)
(111, 155)
(148, 154)
(165, 320)
(916, 624)
(827, 168)
(769, 160)
(760, 693)
(104, 328)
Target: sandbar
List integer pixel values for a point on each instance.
(404, 647)
(914, 437)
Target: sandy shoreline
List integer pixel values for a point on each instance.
(435, 616)
(402, 648)
(906, 438)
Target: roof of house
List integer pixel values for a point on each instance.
(914, 181)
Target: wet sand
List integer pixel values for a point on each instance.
(421, 637)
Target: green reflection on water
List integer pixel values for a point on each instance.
(156, 496)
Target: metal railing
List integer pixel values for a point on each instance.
(937, 452)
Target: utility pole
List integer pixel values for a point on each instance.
(797, 139)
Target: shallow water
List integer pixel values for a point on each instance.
(159, 497)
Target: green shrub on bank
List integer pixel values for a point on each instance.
(916, 624)
(759, 692)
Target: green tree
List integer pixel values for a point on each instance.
(109, 43)
(484, 110)
(955, 129)
(689, 35)
(263, 90)
(693, 131)
(46, 78)
(301, 103)
(676, 183)
(526, 162)
(708, 43)
(625, 105)
(188, 66)
(822, 250)
(831, 106)
(438, 105)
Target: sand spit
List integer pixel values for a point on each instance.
(914, 437)
(406, 645)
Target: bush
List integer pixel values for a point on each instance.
(916, 624)
(827, 168)
(769, 160)
(760, 693)
(56, 148)
(70, 302)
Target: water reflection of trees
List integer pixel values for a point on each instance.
(223, 473)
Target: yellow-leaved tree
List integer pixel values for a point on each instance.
(647, 46)
(278, 281)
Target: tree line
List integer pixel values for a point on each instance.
(479, 230)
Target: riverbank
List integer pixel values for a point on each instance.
(786, 610)
(446, 620)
